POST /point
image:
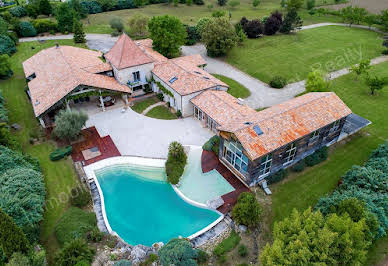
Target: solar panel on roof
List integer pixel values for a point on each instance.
(258, 130)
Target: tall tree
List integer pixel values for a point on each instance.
(79, 34)
(168, 35)
(291, 22)
(12, 238)
(64, 16)
(68, 124)
(45, 7)
(219, 36)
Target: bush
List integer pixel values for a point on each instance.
(278, 176)
(18, 11)
(95, 235)
(247, 210)
(202, 256)
(160, 96)
(5, 72)
(278, 82)
(80, 196)
(116, 24)
(317, 157)
(69, 124)
(273, 23)
(60, 153)
(32, 10)
(192, 35)
(212, 144)
(26, 29)
(227, 244)
(123, 263)
(7, 46)
(74, 253)
(91, 7)
(253, 28)
(299, 166)
(242, 251)
(44, 25)
(178, 252)
(176, 162)
(74, 223)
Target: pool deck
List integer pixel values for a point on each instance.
(93, 139)
(209, 161)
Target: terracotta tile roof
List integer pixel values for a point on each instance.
(190, 78)
(60, 70)
(287, 122)
(125, 53)
(195, 59)
(222, 107)
(146, 46)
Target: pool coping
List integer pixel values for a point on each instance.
(141, 161)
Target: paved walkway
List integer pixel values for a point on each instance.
(138, 135)
(152, 106)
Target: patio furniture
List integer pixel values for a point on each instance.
(265, 187)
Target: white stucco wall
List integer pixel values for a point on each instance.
(125, 75)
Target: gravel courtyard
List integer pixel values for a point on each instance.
(137, 135)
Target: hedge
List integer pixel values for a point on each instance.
(60, 153)
(7, 46)
(74, 223)
(317, 157)
(45, 25)
(18, 11)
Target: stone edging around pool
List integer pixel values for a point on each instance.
(142, 161)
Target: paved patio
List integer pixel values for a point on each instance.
(137, 135)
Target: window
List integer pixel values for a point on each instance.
(136, 76)
(335, 126)
(198, 114)
(265, 165)
(314, 137)
(173, 80)
(234, 155)
(290, 153)
(211, 124)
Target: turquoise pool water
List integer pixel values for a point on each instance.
(143, 209)
(199, 186)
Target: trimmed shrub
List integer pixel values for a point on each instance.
(227, 244)
(247, 210)
(317, 157)
(91, 7)
(76, 252)
(242, 251)
(7, 46)
(253, 28)
(74, 223)
(299, 166)
(278, 176)
(60, 153)
(44, 25)
(278, 82)
(18, 11)
(26, 29)
(80, 197)
(178, 252)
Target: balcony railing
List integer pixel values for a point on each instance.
(132, 84)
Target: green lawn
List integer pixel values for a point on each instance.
(303, 190)
(59, 176)
(161, 112)
(99, 23)
(140, 106)
(294, 56)
(235, 89)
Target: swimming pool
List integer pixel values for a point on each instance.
(199, 186)
(143, 209)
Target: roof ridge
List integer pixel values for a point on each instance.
(122, 50)
(189, 72)
(75, 74)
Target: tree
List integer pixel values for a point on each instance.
(45, 7)
(308, 238)
(222, 2)
(255, 3)
(291, 22)
(241, 36)
(79, 34)
(375, 83)
(77, 8)
(178, 252)
(353, 15)
(5, 67)
(202, 23)
(12, 238)
(294, 4)
(273, 23)
(219, 36)
(68, 124)
(253, 28)
(64, 16)
(74, 252)
(138, 26)
(370, 19)
(168, 34)
(234, 3)
(192, 35)
(247, 211)
(310, 4)
(316, 82)
(117, 24)
(361, 68)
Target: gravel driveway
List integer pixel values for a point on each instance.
(138, 135)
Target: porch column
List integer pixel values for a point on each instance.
(68, 105)
(42, 122)
(125, 97)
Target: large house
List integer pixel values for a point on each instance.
(253, 144)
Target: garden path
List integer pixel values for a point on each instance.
(152, 106)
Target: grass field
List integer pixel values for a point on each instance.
(235, 89)
(303, 190)
(59, 176)
(140, 106)
(161, 112)
(99, 23)
(294, 56)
